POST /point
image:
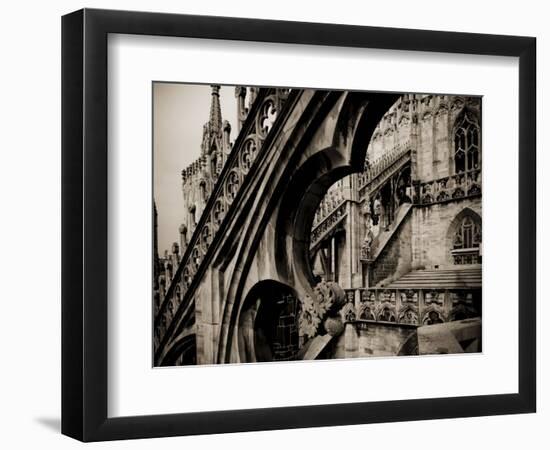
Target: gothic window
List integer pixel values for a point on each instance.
(466, 144)
(466, 241)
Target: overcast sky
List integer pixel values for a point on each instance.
(179, 113)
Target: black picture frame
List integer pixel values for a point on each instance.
(84, 224)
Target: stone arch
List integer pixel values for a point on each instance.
(358, 117)
(270, 308)
(263, 205)
(313, 178)
(334, 128)
(183, 351)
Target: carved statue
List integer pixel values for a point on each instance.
(369, 236)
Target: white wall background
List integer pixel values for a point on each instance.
(30, 230)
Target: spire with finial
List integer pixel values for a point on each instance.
(212, 130)
(215, 110)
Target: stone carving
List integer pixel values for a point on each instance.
(366, 246)
(218, 212)
(414, 306)
(453, 187)
(386, 313)
(248, 154)
(267, 116)
(409, 296)
(379, 165)
(434, 296)
(206, 238)
(366, 312)
(327, 297)
(328, 224)
(377, 173)
(232, 186)
(348, 313)
(309, 320)
(333, 326)
(408, 316)
(328, 206)
(432, 315)
(206, 210)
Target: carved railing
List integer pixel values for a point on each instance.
(330, 203)
(330, 307)
(458, 186)
(380, 167)
(321, 230)
(260, 120)
(410, 306)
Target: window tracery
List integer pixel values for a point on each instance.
(466, 144)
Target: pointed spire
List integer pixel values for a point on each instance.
(215, 111)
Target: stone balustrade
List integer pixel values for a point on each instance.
(377, 167)
(330, 203)
(327, 224)
(409, 306)
(454, 187)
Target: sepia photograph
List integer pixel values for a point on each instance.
(297, 224)
(252, 208)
